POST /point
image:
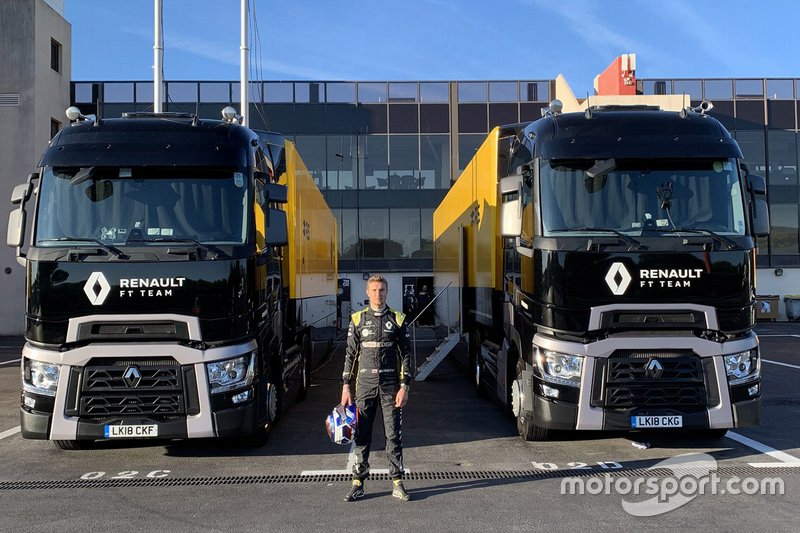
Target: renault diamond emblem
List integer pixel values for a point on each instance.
(654, 369)
(618, 279)
(97, 288)
(132, 376)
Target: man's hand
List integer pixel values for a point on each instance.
(347, 398)
(402, 398)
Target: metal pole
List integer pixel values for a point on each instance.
(244, 67)
(158, 59)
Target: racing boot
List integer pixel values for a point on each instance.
(356, 491)
(399, 491)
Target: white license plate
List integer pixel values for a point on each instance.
(662, 421)
(130, 431)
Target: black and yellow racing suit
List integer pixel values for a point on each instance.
(378, 355)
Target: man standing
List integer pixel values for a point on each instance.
(378, 355)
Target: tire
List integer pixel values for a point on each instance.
(73, 444)
(475, 366)
(526, 426)
(305, 370)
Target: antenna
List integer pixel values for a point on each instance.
(243, 67)
(158, 57)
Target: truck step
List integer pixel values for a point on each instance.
(438, 355)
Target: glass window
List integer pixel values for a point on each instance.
(182, 92)
(694, 88)
(373, 233)
(503, 91)
(434, 92)
(472, 91)
(348, 234)
(404, 162)
(500, 114)
(342, 160)
(280, 93)
(372, 93)
(718, 90)
(656, 87)
(117, 93)
(750, 115)
(434, 118)
(784, 231)
(435, 161)
(753, 148)
(309, 118)
(340, 118)
(403, 118)
(534, 91)
(280, 117)
(343, 93)
(84, 92)
(780, 89)
(256, 92)
(426, 234)
(312, 151)
(467, 146)
(780, 114)
(404, 233)
(308, 92)
(472, 118)
(215, 92)
(403, 92)
(782, 157)
(749, 89)
(372, 118)
(374, 149)
(144, 92)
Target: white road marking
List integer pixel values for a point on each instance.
(9, 432)
(775, 465)
(781, 364)
(776, 335)
(763, 448)
(9, 362)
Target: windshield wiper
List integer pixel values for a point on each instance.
(728, 243)
(630, 241)
(207, 247)
(116, 251)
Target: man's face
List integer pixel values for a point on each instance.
(376, 291)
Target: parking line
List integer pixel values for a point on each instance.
(9, 362)
(779, 363)
(9, 432)
(337, 472)
(784, 457)
(775, 465)
(776, 335)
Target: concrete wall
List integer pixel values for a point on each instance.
(27, 28)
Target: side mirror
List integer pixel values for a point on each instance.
(511, 205)
(277, 228)
(21, 193)
(276, 193)
(16, 228)
(759, 207)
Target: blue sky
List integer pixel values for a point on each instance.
(440, 39)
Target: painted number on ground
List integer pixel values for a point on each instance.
(127, 474)
(578, 465)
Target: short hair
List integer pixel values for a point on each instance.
(379, 279)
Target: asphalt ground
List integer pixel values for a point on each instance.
(468, 470)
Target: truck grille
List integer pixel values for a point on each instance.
(132, 387)
(679, 382)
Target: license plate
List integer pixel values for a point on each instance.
(130, 431)
(663, 421)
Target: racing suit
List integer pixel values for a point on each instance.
(378, 355)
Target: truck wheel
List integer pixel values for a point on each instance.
(274, 401)
(73, 444)
(526, 426)
(475, 364)
(305, 368)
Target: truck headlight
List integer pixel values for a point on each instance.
(561, 368)
(742, 367)
(231, 373)
(39, 377)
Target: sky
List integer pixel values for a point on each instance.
(399, 40)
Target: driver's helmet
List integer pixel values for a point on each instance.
(342, 424)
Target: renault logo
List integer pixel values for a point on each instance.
(97, 288)
(654, 369)
(132, 376)
(618, 279)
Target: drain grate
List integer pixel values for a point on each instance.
(461, 475)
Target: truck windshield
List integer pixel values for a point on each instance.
(136, 206)
(639, 196)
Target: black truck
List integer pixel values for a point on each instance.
(169, 295)
(604, 268)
